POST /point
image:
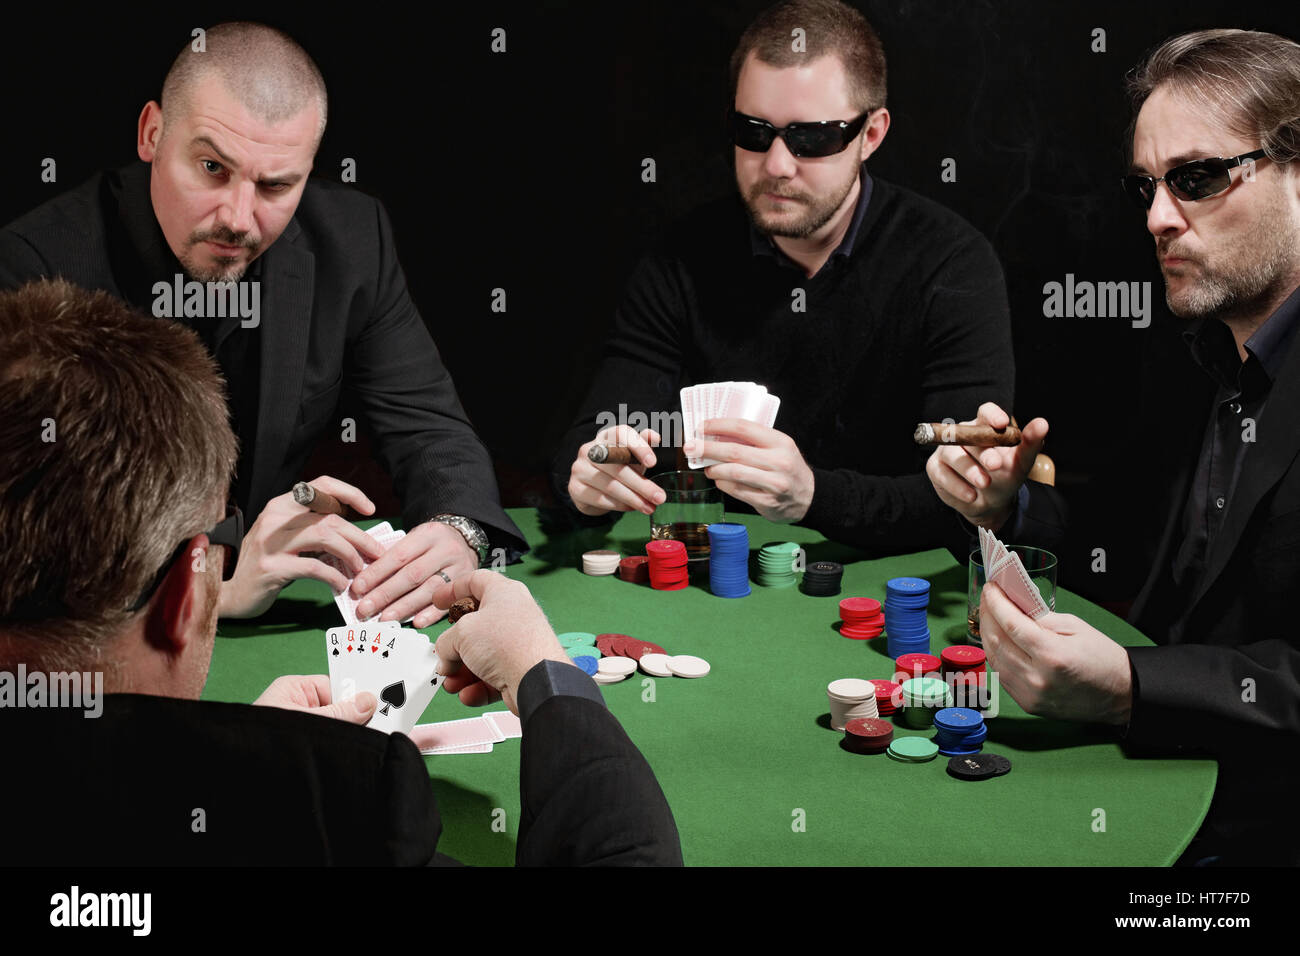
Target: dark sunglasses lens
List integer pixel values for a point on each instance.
(751, 136)
(1198, 180)
(1140, 190)
(815, 141)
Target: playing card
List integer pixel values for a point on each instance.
(454, 735)
(354, 655)
(747, 400)
(506, 723)
(347, 604)
(397, 665)
(1005, 569)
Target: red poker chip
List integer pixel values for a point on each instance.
(858, 633)
(871, 729)
(860, 605)
(963, 656)
(608, 644)
(925, 663)
(664, 546)
(637, 649)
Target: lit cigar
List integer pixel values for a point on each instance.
(982, 436)
(458, 609)
(610, 454)
(322, 503)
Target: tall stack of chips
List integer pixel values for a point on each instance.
(922, 696)
(776, 564)
(667, 564)
(965, 672)
(959, 731)
(822, 578)
(917, 665)
(851, 698)
(600, 562)
(729, 559)
(889, 696)
(862, 618)
(905, 621)
(868, 735)
(635, 568)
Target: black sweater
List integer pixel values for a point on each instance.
(911, 326)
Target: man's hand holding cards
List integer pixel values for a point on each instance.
(397, 665)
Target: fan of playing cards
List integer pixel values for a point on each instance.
(724, 400)
(1005, 569)
(396, 664)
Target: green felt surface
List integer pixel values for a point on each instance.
(745, 755)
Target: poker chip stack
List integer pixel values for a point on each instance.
(913, 749)
(581, 648)
(635, 568)
(964, 670)
(906, 626)
(917, 665)
(776, 564)
(851, 698)
(862, 618)
(888, 696)
(922, 696)
(729, 560)
(600, 562)
(868, 735)
(667, 564)
(959, 731)
(822, 579)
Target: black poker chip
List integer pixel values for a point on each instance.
(822, 578)
(979, 766)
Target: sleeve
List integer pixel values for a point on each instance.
(19, 261)
(588, 796)
(968, 360)
(423, 436)
(640, 370)
(1199, 697)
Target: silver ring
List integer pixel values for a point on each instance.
(443, 575)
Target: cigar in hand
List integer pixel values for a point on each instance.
(981, 436)
(610, 454)
(458, 609)
(320, 502)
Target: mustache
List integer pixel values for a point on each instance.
(1164, 249)
(773, 186)
(226, 237)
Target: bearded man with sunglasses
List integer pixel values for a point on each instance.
(863, 306)
(1203, 525)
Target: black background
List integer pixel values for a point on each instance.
(522, 170)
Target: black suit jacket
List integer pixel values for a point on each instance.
(1229, 685)
(335, 315)
(279, 787)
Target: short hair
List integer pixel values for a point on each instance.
(830, 27)
(115, 447)
(1247, 80)
(263, 68)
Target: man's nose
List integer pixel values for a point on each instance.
(1165, 212)
(239, 207)
(779, 163)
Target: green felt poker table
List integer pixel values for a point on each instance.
(746, 756)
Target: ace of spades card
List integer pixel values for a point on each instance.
(396, 664)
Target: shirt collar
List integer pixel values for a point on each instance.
(1214, 349)
(764, 246)
(1270, 341)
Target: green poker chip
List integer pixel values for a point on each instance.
(577, 639)
(913, 749)
(582, 650)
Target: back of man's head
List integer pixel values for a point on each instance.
(115, 446)
(825, 27)
(261, 67)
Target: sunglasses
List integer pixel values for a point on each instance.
(1199, 179)
(825, 138)
(229, 532)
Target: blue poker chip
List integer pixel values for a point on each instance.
(961, 720)
(907, 586)
(587, 663)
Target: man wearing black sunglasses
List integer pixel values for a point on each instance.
(115, 456)
(1202, 527)
(864, 307)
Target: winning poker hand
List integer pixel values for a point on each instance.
(600, 489)
(485, 654)
(981, 484)
(278, 548)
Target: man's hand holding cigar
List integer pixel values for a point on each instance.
(609, 472)
(981, 483)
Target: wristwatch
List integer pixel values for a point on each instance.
(470, 531)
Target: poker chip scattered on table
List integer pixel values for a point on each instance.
(656, 665)
(616, 666)
(979, 766)
(822, 578)
(635, 568)
(637, 649)
(583, 650)
(600, 562)
(913, 749)
(776, 564)
(729, 560)
(685, 665)
(862, 618)
(574, 638)
(587, 663)
(668, 564)
(868, 735)
(906, 627)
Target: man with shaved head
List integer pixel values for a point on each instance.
(294, 286)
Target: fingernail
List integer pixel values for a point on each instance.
(358, 587)
(364, 610)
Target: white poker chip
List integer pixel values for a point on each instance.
(850, 689)
(600, 678)
(684, 665)
(616, 666)
(656, 665)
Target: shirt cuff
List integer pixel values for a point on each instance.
(549, 679)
